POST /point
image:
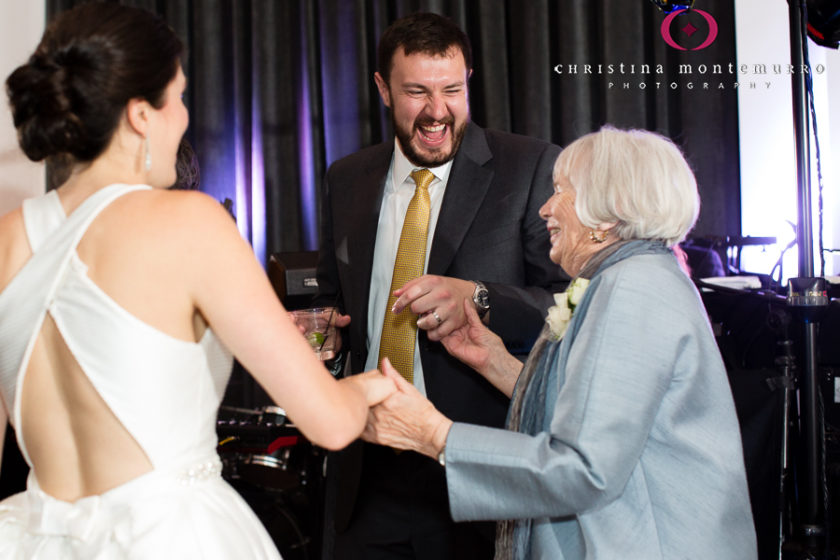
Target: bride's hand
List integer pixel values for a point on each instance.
(373, 385)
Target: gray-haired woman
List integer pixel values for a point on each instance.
(622, 437)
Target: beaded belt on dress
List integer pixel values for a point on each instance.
(199, 472)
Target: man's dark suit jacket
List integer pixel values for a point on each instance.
(488, 229)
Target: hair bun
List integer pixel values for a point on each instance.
(42, 108)
(67, 100)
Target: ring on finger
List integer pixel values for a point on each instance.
(437, 317)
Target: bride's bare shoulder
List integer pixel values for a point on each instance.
(176, 215)
(14, 248)
(11, 222)
(183, 207)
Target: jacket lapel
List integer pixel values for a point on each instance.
(469, 180)
(364, 204)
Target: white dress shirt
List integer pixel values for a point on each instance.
(399, 189)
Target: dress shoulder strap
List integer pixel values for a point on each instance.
(64, 239)
(42, 216)
(25, 300)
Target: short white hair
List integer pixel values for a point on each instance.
(637, 179)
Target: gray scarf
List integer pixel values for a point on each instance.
(527, 408)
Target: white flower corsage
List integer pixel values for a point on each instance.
(560, 315)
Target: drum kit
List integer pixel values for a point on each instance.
(278, 472)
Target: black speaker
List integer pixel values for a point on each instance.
(292, 275)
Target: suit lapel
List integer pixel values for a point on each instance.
(470, 178)
(364, 205)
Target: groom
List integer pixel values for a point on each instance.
(480, 238)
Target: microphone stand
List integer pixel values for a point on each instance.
(807, 296)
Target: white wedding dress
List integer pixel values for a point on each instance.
(166, 393)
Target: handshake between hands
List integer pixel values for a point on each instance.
(400, 416)
(408, 420)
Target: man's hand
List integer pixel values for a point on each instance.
(341, 321)
(437, 302)
(338, 320)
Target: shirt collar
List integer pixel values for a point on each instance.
(403, 168)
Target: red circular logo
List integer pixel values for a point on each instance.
(665, 30)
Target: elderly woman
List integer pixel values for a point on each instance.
(622, 437)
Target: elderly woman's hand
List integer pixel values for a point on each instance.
(472, 343)
(481, 349)
(406, 419)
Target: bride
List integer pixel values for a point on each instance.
(119, 301)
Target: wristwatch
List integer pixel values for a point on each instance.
(481, 299)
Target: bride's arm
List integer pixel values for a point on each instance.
(232, 292)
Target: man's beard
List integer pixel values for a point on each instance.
(436, 158)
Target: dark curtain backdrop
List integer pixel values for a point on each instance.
(279, 89)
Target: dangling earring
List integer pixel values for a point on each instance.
(597, 236)
(147, 161)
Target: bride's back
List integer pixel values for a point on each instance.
(104, 90)
(134, 254)
(120, 305)
(103, 81)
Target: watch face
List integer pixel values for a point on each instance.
(481, 298)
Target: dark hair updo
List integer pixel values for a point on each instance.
(68, 98)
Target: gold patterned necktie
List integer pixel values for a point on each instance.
(399, 332)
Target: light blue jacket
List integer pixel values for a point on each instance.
(639, 456)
